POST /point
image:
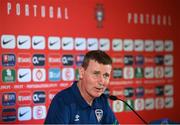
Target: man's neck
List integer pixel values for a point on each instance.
(84, 94)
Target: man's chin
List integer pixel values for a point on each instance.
(98, 95)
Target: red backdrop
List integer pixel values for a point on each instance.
(109, 23)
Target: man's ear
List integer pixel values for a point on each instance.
(81, 72)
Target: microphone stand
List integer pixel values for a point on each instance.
(115, 98)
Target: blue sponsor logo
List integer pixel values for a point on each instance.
(39, 97)
(38, 60)
(79, 60)
(67, 60)
(8, 99)
(128, 60)
(159, 90)
(128, 92)
(159, 60)
(139, 92)
(139, 60)
(8, 115)
(117, 73)
(8, 59)
(54, 74)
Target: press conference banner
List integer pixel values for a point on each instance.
(43, 44)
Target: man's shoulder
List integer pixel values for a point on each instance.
(64, 95)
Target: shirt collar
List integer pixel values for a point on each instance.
(80, 100)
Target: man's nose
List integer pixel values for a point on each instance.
(101, 79)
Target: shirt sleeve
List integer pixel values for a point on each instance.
(58, 112)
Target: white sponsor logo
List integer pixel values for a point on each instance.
(92, 44)
(24, 98)
(80, 43)
(168, 71)
(139, 104)
(67, 43)
(128, 45)
(169, 102)
(54, 59)
(159, 45)
(117, 44)
(23, 42)
(168, 46)
(159, 103)
(128, 73)
(149, 103)
(24, 58)
(38, 42)
(168, 59)
(39, 75)
(8, 41)
(104, 44)
(24, 113)
(54, 43)
(159, 72)
(168, 90)
(149, 45)
(118, 106)
(138, 45)
(118, 59)
(24, 75)
(149, 72)
(39, 112)
(68, 74)
(149, 91)
(149, 59)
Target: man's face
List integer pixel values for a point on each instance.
(95, 78)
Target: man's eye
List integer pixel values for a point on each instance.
(96, 73)
(106, 76)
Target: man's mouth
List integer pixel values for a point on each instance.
(99, 89)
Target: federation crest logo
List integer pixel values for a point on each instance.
(99, 13)
(99, 114)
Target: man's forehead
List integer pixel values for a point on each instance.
(96, 62)
(95, 66)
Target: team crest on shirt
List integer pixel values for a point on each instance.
(99, 114)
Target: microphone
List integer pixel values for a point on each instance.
(112, 97)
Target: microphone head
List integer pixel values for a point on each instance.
(112, 97)
(107, 92)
